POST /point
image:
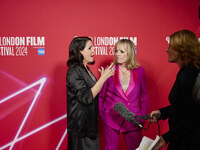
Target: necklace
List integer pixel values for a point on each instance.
(125, 75)
(123, 72)
(124, 79)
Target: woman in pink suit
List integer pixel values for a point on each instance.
(128, 87)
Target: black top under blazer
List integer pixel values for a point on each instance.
(82, 108)
(183, 113)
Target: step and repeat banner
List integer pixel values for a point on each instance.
(34, 40)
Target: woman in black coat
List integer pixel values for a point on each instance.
(183, 113)
(82, 95)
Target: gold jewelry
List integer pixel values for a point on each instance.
(123, 72)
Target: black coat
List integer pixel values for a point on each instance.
(183, 113)
(82, 108)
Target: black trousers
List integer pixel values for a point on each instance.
(85, 143)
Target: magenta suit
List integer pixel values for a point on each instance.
(135, 99)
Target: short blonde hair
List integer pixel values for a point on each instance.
(129, 46)
(187, 45)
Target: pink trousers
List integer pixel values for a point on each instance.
(132, 139)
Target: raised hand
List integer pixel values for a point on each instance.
(107, 72)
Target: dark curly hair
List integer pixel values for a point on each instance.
(77, 44)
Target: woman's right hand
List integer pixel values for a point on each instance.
(155, 116)
(107, 72)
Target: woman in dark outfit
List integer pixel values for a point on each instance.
(183, 113)
(82, 95)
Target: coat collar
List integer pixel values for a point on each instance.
(118, 85)
(88, 78)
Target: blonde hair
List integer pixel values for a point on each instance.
(129, 46)
(187, 45)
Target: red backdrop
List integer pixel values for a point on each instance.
(34, 40)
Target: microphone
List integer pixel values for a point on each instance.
(126, 114)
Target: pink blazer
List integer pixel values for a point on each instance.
(135, 99)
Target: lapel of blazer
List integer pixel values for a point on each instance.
(132, 82)
(87, 77)
(117, 83)
(94, 78)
